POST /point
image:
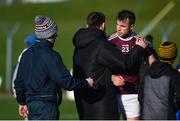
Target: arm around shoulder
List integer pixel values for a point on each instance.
(117, 61)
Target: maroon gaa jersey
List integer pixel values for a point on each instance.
(125, 45)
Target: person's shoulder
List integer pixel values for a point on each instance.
(54, 53)
(19, 58)
(57, 55)
(49, 54)
(105, 44)
(79, 30)
(112, 36)
(26, 51)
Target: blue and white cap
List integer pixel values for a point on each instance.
(45, 27)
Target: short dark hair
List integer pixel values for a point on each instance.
(124, 14)
(95, 19)
(149, 39)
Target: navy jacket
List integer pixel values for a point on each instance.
(41, 73)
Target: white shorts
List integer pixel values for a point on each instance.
(129, 105)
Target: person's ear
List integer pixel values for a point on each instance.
(132, 27)
(103, 26)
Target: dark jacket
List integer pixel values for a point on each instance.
(94, 56)
(41, 73)
(157, 92)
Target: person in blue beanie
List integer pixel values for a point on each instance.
(29, 41)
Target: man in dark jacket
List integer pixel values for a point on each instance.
(160, 86)
(94, 56)
(41, 73)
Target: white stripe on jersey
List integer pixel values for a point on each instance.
(114, 35)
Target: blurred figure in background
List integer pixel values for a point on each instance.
(161, 85)
(178, 65)
(29, 41)
(149, 39)
(178, 111)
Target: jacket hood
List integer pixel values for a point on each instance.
(84, 36)
(158, 69)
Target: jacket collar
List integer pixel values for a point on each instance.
(45, 43)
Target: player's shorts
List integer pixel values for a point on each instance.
(129, 105)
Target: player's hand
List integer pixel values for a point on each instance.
(23, 111)
(151, 59)
(90, 81)
(118, 80)
(141, 42)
